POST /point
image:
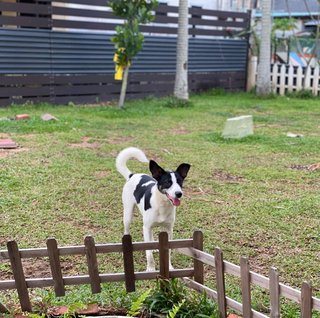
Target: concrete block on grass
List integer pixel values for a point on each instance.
(22, 117)
(238, 127)
(7, 144)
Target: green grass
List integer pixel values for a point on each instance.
(243, 194)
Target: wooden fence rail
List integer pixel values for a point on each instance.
(189, 247)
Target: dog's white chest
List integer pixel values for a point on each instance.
(164, 215)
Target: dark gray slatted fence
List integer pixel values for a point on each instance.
(39, 52)
(58, 66)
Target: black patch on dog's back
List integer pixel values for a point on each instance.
(143, 190)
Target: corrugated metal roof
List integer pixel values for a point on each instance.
(297, 6)
(294, 8)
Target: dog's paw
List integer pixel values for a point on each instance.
(171, 267)
(151, 269)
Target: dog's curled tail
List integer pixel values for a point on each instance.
(124, 156)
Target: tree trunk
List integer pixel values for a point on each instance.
(181, 80)
(124, 87)
(264, 73)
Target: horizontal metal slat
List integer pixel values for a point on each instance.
(25, 21)
(79, 12)
(217, 23)
(25, 91)
(24, 7)
(220, 14)
(25, 80)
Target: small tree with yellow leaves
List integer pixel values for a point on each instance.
(128, 39)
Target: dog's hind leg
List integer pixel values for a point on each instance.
(128, 208)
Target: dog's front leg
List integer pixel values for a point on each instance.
(148, 236)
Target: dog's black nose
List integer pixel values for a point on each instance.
(178, 194)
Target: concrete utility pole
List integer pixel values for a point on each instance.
(264, 73)
(181, 81)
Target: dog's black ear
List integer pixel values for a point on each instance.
(155, 170)
(183, 169)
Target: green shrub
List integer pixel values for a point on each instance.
(173, 102)
(171, 294)
(302, 94)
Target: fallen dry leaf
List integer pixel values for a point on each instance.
(314, 166)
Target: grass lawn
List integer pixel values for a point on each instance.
(251, 197)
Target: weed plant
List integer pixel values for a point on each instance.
(172, 295)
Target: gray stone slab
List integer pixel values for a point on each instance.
(48, 117)
(238, 127)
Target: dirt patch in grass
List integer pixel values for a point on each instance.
(94, 143)
(86, 144)
(33, 268)
(4, 153)
(180, 131)
(4, 136)
(263, 258)
(102, 174)
(298, 167)
(312, 167)
(37, 267)
(201, 195)
(119, 140)
(227, 177)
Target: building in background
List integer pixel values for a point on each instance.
(227, 5)
(300, 45)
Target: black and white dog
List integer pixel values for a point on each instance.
(156, 197)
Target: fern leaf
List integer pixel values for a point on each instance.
(173, 312)
(138, 303)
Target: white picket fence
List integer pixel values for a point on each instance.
(288, 78)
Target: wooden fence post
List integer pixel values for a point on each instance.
(218, 260)
(245, 287)
(128, 263)
(198, 266)
(307, 77)
(300, 79)
(55, 265)
(274, 74)
(290, 78)
(92, 262)
(274, 288)
(18, 274)
(316, 78)
(282, 79)
(3, 309)
(306, 300)
(164, 255)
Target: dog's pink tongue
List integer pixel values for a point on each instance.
(176, 202)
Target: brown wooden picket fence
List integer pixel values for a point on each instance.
(192, 277)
